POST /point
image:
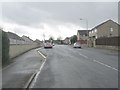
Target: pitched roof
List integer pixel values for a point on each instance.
(104, 23)
(26, 38)
(14, 36)
(83, 32)
(67, 38)
(38, 41)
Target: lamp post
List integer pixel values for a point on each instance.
(86, 28)
(86, 22)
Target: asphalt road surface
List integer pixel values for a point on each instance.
(64, 67)
(67, 67)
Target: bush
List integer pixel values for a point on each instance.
(5, 48)
(0, 48)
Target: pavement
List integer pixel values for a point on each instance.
(18, 73)
(64, 67)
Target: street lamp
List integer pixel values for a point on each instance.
(44, 36)
(86, 22)
(86, 28)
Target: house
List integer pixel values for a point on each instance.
(107, 29)
(38, 41)
(14, 38)
(28, 40)
(82, 36)
(66, 41)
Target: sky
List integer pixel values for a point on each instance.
(56, 19)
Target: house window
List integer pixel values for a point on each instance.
(96, 37)
(111, 29)
(95, 30)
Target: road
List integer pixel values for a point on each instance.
(64, 67)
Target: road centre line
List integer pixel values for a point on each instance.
(39, 71)
(106, 65)
(100, 63)
(83, 55)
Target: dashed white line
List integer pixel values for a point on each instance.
(83, 55)
(106, 65)
(35, 79)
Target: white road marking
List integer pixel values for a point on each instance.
(42, 54)
(39, 71)
(83, 55)
(106, 65)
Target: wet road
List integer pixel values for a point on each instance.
(66, 67)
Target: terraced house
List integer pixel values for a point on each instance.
(82, 36)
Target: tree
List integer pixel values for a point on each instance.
(59, 40)
(73, 39)
(51, 38)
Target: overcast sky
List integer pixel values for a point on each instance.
(55, 19)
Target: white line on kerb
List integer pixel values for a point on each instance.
(42, 55)
(106, 65)
(33, 84)
(83, 55)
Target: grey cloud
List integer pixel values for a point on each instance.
(22, 14)
(32, 13)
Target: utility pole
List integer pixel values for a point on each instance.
(43, 37)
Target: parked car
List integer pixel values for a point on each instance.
(77, 45)
(48, 45)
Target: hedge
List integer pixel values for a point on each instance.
(5, 48)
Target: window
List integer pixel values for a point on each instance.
(96, 37)
(111, 29)
(95, 30)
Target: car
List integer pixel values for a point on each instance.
(53, 44)
(77, 45)
(48, 45)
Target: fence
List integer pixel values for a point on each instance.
(20, 42)
(82, 41)
(109, 41)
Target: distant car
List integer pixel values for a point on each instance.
(53, 44)
(48, 45)
(77, 45)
